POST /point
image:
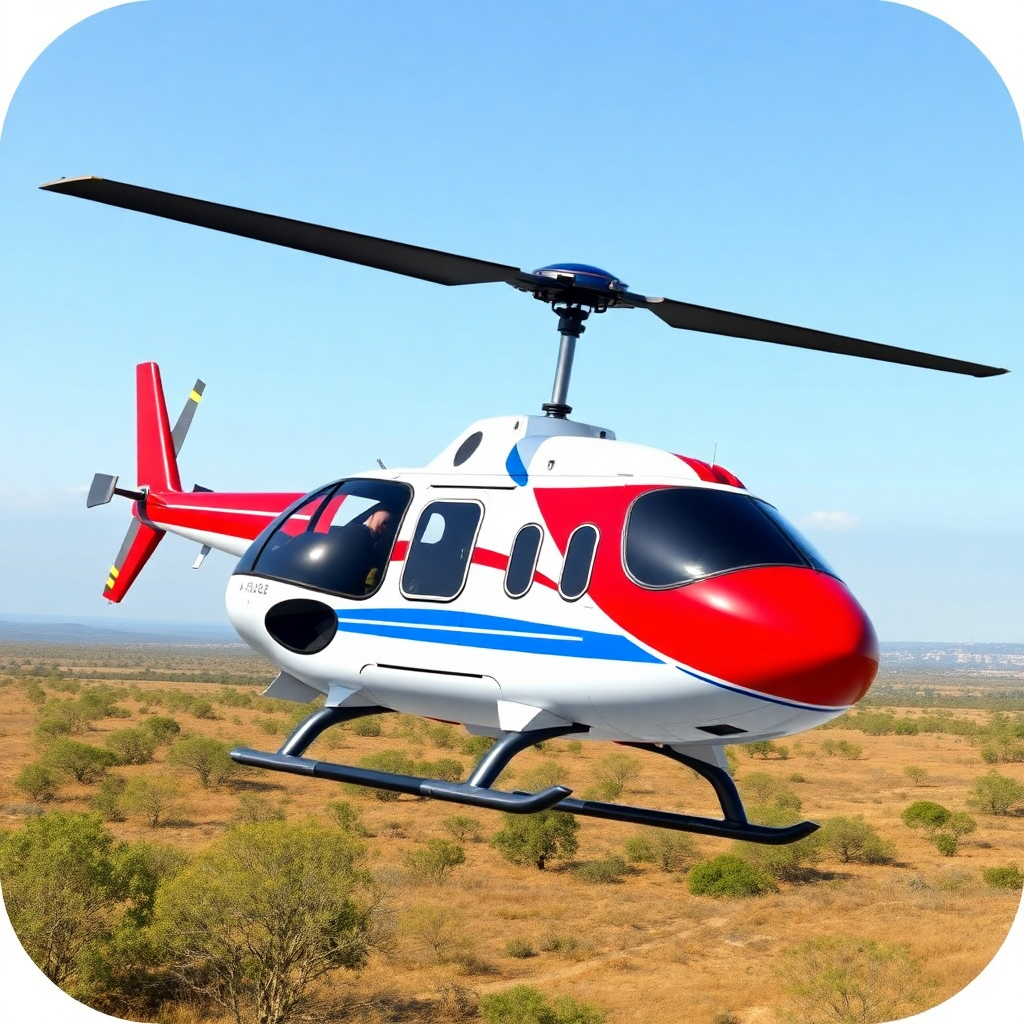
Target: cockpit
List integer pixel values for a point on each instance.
(338, 539)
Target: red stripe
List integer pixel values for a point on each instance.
(492, 559)
(214, 512)
(399, 550)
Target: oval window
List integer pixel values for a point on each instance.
(579, 561)
(523, 561)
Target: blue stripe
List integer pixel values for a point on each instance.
(762, 696)
(515, 468)
(497, 633)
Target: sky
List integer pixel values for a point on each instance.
(855, 167)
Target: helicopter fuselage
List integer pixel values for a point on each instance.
(540, 572)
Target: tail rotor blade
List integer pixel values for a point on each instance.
(185, 417)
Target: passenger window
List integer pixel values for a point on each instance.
(579, 560)
(522, 563)
(442, 545)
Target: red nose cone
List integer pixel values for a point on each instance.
(793, 633)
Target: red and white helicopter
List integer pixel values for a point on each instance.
(538, 578)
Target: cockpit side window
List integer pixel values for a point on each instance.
(339, 539)
(675, 535)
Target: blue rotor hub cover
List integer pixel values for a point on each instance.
(584, 276)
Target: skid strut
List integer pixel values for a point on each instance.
(477, 791)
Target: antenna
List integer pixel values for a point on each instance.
(714, 453)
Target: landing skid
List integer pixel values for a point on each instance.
(477, 791)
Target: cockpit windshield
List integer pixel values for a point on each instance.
(338, 539)
(675, 535)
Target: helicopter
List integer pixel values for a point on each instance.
(539, 578)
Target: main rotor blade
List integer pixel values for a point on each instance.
(380, 253)
(735, 325)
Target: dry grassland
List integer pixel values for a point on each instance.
(642, 949)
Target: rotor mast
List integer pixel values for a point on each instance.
(570, 327)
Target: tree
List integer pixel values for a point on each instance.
(262, 913)
(157, 798)
(788, 862)
(916, 774)
(37, 781)
(63, 888)
(535, 838)
(80, 761)
(843, 979)
(163, 728)
(728, 875)
(462, 828)
(208, 758)
(439, 933)
(996, 794)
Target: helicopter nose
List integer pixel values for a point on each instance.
(794, 633)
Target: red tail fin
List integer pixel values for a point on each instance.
(157, 471)
(158, 468)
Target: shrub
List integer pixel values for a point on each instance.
(946, 843)
(37, 781)
(368, 726)
(574, 747)
(462, 828)
(253, 808)
(853, 839)
(547, 773)
(536, 838)
(446, 769)
(604, 871)
(476, 746)
(915, 773)
(844, 979)
(437, 932)
(108, 798)
(1009, 877)
(436, 859)
(163, 728)
(157, 798)
(348, 818)
(613, 772)
(766, 791)
(788, 861)
(766, 749)
(671, 851)
(841, 748)
(522, 1004)
(520, 949)
(996, 794)
(132, 746)
(208, 758)
(728, 875)
(81, 761)
(925, 814)
(440, 734)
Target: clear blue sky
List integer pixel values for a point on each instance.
(855, 167)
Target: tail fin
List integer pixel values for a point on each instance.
(158, 447)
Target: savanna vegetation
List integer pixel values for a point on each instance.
(151, 877)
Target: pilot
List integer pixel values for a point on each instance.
(367, 549)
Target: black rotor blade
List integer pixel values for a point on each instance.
(735, 325)
(185, 417)
(380, 253)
